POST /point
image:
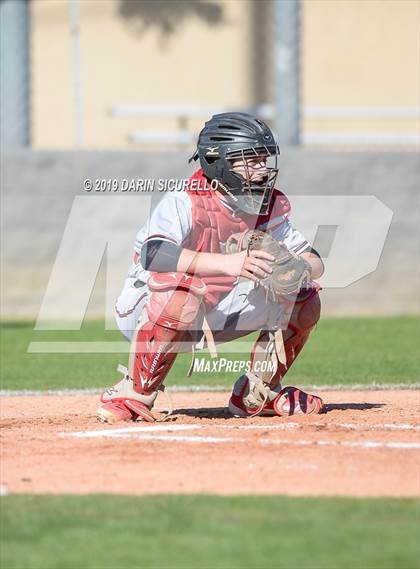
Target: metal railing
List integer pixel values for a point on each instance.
(183, 114)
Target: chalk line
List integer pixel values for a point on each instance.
(270, 427)
(144, 434)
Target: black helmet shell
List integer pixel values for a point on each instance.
(229, 136)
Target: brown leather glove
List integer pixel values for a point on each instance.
(290, 272)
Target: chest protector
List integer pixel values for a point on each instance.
(213, 223)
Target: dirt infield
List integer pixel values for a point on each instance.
(367, 444)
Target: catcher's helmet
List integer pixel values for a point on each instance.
(238, 136)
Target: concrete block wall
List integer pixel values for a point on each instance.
(39, 191)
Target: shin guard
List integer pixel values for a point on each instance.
(172, 308)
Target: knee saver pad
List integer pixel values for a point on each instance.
(182, 281)
(175, 309)
(175, 300)
(306, 311)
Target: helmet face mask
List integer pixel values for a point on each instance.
(239, 152)
(257, 170)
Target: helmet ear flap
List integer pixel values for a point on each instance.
(211, 159)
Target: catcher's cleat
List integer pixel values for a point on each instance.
(251, 397)
(294, 401)
(124, 410)
(114, 412)
(122, 403)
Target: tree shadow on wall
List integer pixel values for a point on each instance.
(167, 16)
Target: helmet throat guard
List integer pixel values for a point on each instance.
(231, 138)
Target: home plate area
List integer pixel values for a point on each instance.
(367, 444)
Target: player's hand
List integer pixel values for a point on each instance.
(252, 265)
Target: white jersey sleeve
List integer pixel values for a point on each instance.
(291, 237)
(171, 220)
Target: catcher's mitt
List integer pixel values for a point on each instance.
(290, 272)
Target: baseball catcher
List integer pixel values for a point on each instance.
(212, 264)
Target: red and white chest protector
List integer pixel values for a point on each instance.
(213, 223)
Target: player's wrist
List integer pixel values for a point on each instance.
(226, 265)
(233, 263)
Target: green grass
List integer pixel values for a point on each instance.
(340, 351)
(208, 532)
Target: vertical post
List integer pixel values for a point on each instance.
(14, 74)
(286, 70)
(74, 20)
